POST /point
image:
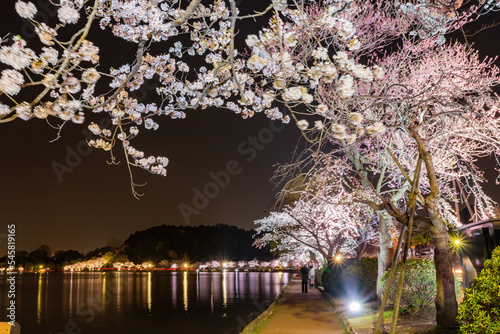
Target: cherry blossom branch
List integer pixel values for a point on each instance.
(133, 72)
(84, 32)
(234, 12)
(405, 174)
(187, 13)
(306, 228)
(257, 14)
(131, 176)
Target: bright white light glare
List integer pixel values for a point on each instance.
(354, 306)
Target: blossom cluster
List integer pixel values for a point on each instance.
(296, 69)
(100, 262)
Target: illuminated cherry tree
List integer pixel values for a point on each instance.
(440, 106)
(309, 226)
(117, 265)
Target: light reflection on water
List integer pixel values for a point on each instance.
(130, 302)
(224, 290)
(39, 301)
(185, 291)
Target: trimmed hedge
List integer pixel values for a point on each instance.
(479, 312)
(419, 286)
(318, 277)
(361, 277)
(330, 279)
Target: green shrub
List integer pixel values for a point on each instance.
(419, 286)
(318, 275)
(479, 312)
(361, 276)
(330, 279)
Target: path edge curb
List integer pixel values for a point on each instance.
(338, 311)
(267, 313)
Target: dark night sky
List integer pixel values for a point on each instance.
(93, 203)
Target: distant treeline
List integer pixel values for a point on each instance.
(166, 242)
(196, 243)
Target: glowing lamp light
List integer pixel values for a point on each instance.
(354, 307)
(458, 241)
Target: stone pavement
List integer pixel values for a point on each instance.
(303, 313)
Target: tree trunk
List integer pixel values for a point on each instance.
(446, 300)
(386, 252)
(360, 250)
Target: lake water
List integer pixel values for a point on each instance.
(141, 302)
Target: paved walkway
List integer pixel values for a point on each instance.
(302, 313)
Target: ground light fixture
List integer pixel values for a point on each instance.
(354, 307)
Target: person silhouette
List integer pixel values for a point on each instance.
(304, 272)
(312, 272)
